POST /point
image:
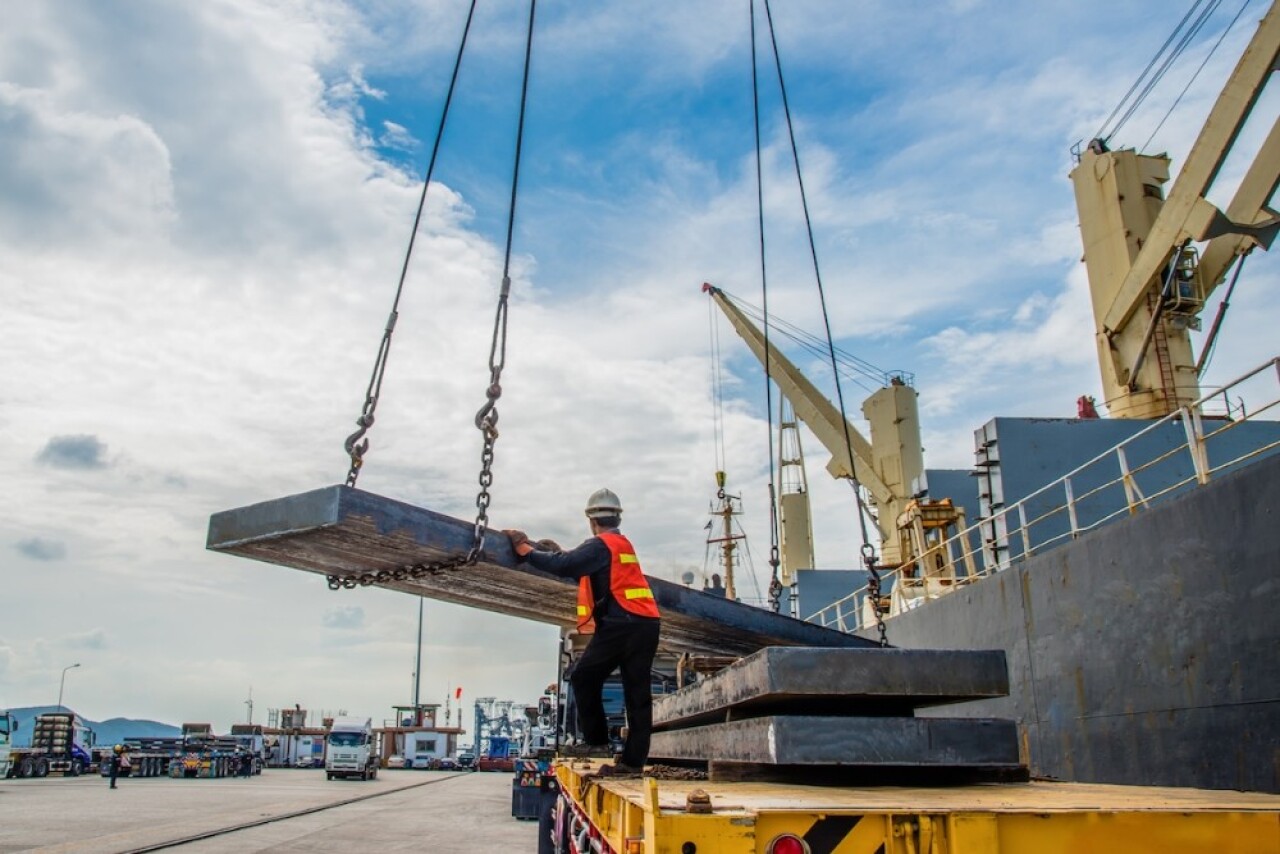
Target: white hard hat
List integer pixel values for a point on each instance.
(603, 502)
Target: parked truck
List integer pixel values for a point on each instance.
(252, 741)
(8, 723)
(352, 751)
(195, 753)
(61, 743)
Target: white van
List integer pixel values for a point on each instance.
(351, 750)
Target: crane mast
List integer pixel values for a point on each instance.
(795, 522)
(1147, 282)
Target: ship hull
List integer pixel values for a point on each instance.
(1145, 652)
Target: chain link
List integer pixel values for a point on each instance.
(486, 421)
(775, 585)
(873, 589)
(399, 573)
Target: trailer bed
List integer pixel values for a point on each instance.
(1044, 817)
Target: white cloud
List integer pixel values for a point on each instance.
(344, 617)
(200, 244)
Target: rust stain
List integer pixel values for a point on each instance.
(1024, 579)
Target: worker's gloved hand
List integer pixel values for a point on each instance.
(547, 546)
(519, 542)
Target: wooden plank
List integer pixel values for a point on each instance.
(347, 532)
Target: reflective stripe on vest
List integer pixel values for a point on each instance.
(626, 581)
(586, 625)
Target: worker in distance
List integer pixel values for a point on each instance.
(616, 607)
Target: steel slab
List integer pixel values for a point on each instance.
(780, 680)
(338, 530)
(822, 741)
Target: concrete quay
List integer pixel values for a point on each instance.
(413, 811)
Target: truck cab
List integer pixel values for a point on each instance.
(350, 749)
(8, 723)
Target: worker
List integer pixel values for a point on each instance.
(116, 763)
(616, 607)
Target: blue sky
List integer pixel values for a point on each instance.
(203, 212)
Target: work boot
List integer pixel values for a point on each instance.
(587, 751)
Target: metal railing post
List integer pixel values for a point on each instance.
(1194, 429)
(1132, 495)
(1071, 508)
(1023, 531)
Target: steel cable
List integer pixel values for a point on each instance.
(868, 550)
(357, 445)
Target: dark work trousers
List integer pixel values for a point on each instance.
(629, 646)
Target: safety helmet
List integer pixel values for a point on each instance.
(603, 502)
(119, 748)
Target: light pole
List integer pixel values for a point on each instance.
(63, 681)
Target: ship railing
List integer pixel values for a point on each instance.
(1143, 470)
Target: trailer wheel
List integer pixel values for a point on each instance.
(77, 767)
(42, 768)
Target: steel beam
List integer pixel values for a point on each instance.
(782, 680)
(845, 741)
(347, 532)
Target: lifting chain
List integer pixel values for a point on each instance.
(775, 586)
(486, 419)
(873, 589)
(356, 444)
(487, 423)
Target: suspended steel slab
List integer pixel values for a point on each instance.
(346, 532)
(781, 680)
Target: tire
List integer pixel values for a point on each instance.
(77, 767)
(364, 774)
(373, 774)
(27, 768)
(330, 776)
(42, 768)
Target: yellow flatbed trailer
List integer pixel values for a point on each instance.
(653, 816)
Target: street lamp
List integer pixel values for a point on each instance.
(63, 681)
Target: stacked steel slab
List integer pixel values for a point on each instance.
(799, 712)
(345, 532)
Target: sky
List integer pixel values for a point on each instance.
(204, 210)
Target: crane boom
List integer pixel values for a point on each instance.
(1147, 284)
(889, 466)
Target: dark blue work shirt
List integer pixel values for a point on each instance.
(592, 560)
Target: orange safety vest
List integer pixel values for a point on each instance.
(627, 584)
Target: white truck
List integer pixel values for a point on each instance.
(8, 723)
(351, 749)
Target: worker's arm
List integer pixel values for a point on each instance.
(592, 556)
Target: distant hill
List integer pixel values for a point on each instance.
(110, 731)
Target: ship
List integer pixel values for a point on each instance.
(1124, 565)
